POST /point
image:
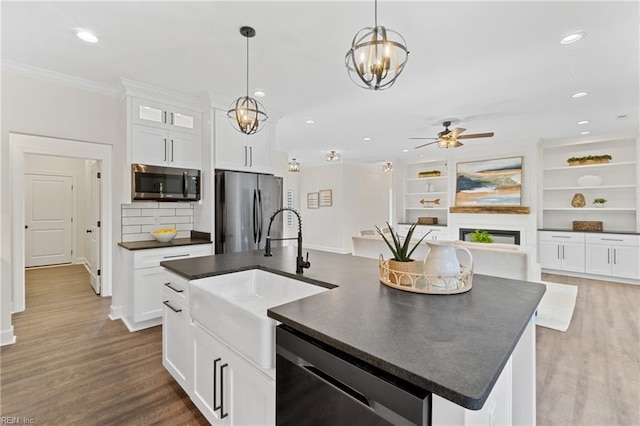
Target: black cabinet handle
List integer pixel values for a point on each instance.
(89, 231)
(215, 383)
(168, 305)
(177, 290)
(222, 413)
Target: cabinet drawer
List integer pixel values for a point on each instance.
(152, 257)
(614, 239)
(562, 237)
(175, 288)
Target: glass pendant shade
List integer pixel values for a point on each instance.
(247, 114)
(377, 57)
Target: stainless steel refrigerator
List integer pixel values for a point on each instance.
(244, 203)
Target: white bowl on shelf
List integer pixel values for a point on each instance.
(589, 180)
(163, 237)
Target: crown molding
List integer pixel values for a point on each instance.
(150, 92)
(57, 78)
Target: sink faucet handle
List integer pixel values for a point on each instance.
(306, 263)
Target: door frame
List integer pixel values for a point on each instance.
(21, 144)
(74, 205)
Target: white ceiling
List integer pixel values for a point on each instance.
(492, 66)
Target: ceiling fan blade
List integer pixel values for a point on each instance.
(455, 132)
(455, 144)
(433, 139)
(476, 135)
(423, 145)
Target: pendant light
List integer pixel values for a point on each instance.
(247, 114)
(377, 56)
(388, 166)
(294, 166)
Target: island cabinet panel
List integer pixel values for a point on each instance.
(176, 331)
(226, 388)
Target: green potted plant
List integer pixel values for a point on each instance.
(481, 237)
(402, 263)
(599, 202)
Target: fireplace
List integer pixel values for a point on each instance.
(499, 235)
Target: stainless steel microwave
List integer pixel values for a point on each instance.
(157, 183)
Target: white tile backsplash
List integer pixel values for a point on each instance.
(141, 218)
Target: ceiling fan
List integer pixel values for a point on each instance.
(449, 138)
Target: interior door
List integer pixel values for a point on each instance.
(48, 211)
(94, 230)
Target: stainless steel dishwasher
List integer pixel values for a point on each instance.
(319, 385)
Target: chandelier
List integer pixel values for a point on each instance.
(388, 167)
(294, 166)
(333, 156)
(245, 113)
(377, 56)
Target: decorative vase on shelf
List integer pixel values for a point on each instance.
(578, 200)
(589, 180)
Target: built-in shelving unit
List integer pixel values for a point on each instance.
(559, 184)
(433, 190)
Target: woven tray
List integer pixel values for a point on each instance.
(587, 225)
(420, 283)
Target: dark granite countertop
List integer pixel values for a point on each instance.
(153, 244)
(454, 346)
(590, 232)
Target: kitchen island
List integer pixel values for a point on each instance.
(454, 347)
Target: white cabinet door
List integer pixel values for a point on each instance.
(147, 293)
(149, 145)
(598, 259)
(625, 262)
(183, 120)
(148, 113)
(550, 255)
(260, 150)
(572, 257)
(176, 341)
(184, 151)
(230, 151)
(226, 389)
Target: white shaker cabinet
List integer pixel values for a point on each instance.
(236, 151)
(226, 388)
(146, 279)
(159, 147)
(176, 330)
(562, 251)
(164, 116)
(616, 255)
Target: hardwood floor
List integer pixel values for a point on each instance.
(72, 365)
(590, 375)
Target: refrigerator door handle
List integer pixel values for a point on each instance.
(260, 216)
(255, 215)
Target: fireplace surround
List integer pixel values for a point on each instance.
(499, 235)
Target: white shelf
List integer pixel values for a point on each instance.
(425, 178)
(573, 188)
(590, 209)
(426, 193)
(431, 208)
(590, 166)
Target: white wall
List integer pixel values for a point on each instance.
(39, 107)
(360, 200)
(44, 164)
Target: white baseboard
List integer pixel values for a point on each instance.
(80, 261)
(137, 326)
(115, 312)
(325, 248)
(7, 337)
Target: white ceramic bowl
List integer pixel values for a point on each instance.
(164, 237)
(589, 180)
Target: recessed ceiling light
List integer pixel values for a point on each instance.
(580, 95)
(421, 155)
(366, 139)
(585, 133)
(584, 122)
(572, 38)
(405, 150)
(86, 36)
(310, 121)
(259, 94)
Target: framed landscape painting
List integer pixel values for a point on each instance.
(489, 182)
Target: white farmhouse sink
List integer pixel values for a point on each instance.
(234, 308)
